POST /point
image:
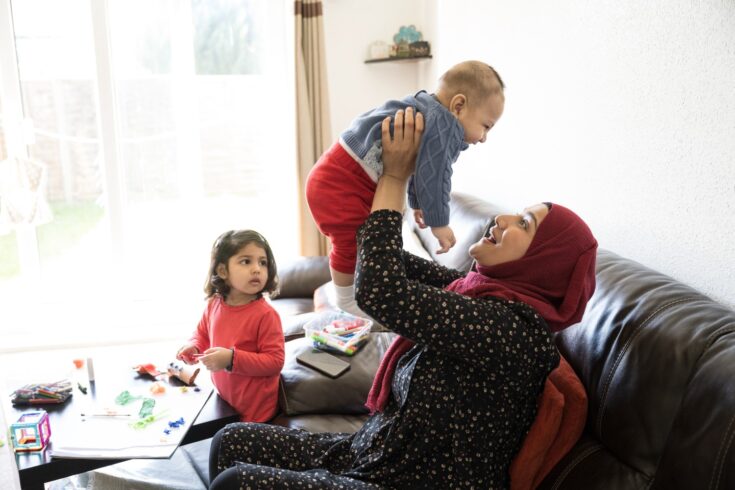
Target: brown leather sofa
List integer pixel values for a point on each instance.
(656, 357)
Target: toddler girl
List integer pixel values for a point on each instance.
(240, 338)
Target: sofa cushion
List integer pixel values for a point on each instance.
(323, 423)
(600, 470)
(293, 325)
(287, 307)
(186, 469)
(300, 277)
(306, 391)
(657, 359)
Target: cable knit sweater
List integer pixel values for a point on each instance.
(441, 143)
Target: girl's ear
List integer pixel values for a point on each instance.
(221, 271)
(458, 104)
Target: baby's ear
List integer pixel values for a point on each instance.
(222, 271)
(458, 104)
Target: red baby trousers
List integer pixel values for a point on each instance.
(340, 195)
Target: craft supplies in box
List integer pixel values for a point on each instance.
(43, 393)
(338, 332)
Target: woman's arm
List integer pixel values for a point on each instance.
(493, 333)
(429, 272)
(399, 159)
(496, 334)
(399, 162)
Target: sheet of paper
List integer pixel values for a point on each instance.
(98, 434)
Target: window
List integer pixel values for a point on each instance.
(155, 126)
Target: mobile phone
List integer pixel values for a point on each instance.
(323, 362)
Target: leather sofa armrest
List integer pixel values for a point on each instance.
(300, 277)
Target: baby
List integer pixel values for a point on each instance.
(467, 103)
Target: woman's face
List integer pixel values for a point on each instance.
(510, 237)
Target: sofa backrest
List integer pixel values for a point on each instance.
(469, 218)
(657, 359)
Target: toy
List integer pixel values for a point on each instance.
(125, 397)
(31, 432)
(146, 407)
(148, 369)
(185, 373)
(158, 388)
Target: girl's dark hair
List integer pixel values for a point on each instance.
(227, 245)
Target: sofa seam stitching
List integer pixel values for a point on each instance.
(574, 463)
(622, 353)
(712, 338)
(724, 449)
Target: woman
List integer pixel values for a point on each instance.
(456, 392)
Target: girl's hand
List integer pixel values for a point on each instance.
(216, 358)
(187, 353)
(401, 150)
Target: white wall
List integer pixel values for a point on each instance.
(350, 26)
(622, 110)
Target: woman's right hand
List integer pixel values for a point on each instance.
(400, 150)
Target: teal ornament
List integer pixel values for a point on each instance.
(408, 34)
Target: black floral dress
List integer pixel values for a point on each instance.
(462, 398)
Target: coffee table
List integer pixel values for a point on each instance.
(37, 468)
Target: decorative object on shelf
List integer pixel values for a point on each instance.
(379, 50)
(408, 34)
(408, 43)
(403, 49)
(419, 48)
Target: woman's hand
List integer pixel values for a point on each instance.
(400, 151)
(399, 159)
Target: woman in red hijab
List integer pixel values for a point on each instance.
(457, 391)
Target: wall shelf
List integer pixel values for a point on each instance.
(400, 58)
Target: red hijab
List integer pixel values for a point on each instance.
(556, 277)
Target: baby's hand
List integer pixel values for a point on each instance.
(445, 235)
(418, 216)
(186, 354)
(216, 358)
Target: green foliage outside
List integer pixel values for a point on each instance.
(70, 222)
(228, 39)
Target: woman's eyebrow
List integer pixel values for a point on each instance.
(533, 218)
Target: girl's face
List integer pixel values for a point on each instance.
(246, 273)
(510, 237)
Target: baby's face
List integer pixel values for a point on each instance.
(477, 119)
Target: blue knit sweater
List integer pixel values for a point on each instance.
(443, 139)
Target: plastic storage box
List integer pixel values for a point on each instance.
(338, 332)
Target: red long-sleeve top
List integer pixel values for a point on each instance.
(254, 332)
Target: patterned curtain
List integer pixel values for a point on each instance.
(313, 132)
